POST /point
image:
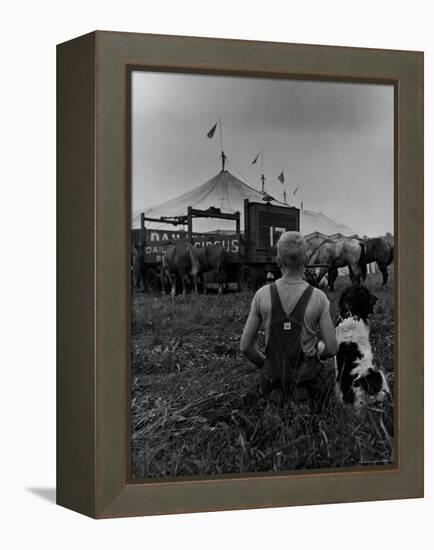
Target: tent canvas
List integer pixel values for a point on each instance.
(227, 192)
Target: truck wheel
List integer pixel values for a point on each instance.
(152, 280)
(247, 278)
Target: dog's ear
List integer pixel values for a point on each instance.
(373, 299)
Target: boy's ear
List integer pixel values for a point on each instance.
(279, 263)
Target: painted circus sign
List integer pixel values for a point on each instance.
(157, 242)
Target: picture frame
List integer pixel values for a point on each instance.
(93, 204)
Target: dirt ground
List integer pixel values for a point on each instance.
(196, 407)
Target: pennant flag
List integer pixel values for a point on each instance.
(296, 189)
(211, 133)
(256, 158)
(281, 177)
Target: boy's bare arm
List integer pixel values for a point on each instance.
(247, 342)
(328, 334)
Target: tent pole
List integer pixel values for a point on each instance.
(221, 145)
(189, 225)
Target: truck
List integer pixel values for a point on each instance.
(251, 252)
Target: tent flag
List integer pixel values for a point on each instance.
(281, 177)
(211, 133)
(256, 158)
(296, 189)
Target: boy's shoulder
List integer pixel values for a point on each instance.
(262, 297)
(319, 293)
(317, 298)
(319, 302)
(263, 290)
(262, 294)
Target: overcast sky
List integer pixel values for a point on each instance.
(333, 140)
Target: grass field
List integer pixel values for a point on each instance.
(196, 406)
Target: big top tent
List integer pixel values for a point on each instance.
(227, 192)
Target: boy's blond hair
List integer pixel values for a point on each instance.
(292, 250)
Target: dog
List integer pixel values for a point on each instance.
(359, 382)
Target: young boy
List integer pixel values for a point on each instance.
(292, 311)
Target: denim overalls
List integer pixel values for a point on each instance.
(286, 367)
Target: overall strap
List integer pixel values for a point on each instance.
(300, 307)
(277, 310)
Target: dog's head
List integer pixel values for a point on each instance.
(356, 300)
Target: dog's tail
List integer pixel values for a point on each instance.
(362, 260)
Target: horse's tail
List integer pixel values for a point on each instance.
(391, 254)
(362, 260)
(195, 264)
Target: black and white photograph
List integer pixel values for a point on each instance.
(262, 275)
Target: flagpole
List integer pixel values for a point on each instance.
(281, 178)
(262, 171)
(261, 154)
(221, 145)
(299, 190)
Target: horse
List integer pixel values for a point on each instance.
(379, 250)
(187, 261)
(213, 257)
(313, 242)
(180, 259)
(336, 253)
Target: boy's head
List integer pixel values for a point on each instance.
(291, 251)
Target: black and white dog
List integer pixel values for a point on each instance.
(359, 381)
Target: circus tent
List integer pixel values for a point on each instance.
(227, 192)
